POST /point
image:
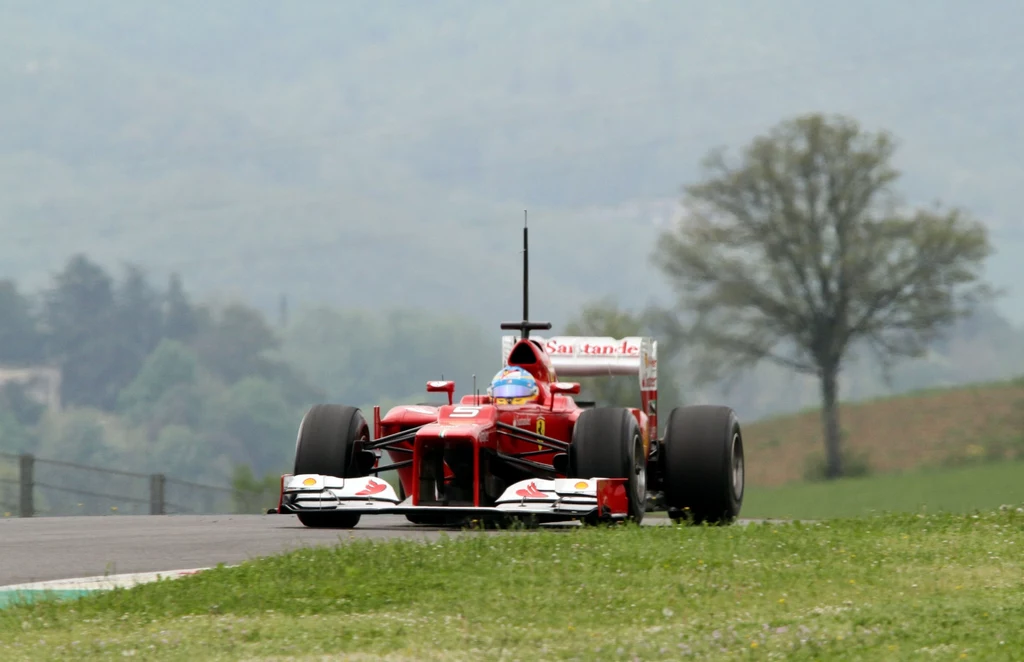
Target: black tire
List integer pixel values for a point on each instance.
(607, 443)
(703, 463)
(328, 444)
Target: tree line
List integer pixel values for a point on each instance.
(150, 380)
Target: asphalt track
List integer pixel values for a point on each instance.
(50, 548)
(47, 548)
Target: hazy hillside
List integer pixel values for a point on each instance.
(368, 358)
(985, 348)
(947, 427)
(381, 154)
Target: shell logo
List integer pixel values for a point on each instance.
(582, 485)
(309, 481)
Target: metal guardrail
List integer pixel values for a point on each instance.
(33, 486)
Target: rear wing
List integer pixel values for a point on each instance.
(594, 356)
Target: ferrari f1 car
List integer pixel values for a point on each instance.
(552, 459)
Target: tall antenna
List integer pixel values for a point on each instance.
(525, 326)
(526, 276)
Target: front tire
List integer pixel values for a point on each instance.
(607, 443)
(329, 444)
(704, 470)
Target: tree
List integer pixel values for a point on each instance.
(15, 398)
(139, 326)
(15, 437)
(20, 339)
(180, 319)
(360, 356)
(180, 452)
(251, 494)
(605, 318)
(801, 250)
(80, 316)
(233, 346)
(166, 390)
(256, 416)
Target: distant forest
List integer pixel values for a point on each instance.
(149, 380)
(152, 380)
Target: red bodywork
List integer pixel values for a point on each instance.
(472, 424)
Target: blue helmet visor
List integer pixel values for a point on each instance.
(513, 387)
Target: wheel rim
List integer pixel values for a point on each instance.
(737, 467)
(639, 469)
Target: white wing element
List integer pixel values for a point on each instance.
(538, 489)
(596, 356)
(561, 495)
(559, 499)
(316, 491)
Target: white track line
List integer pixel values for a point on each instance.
(101, 582)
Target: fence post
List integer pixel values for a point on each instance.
(25, 466)
(156, 494)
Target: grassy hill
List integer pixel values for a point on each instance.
(924, 428)
(966, 489)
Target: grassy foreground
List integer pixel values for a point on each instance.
(965, 489)
(896, 587)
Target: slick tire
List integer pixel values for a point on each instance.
(704, 475)
(329, 444)
(607, 443)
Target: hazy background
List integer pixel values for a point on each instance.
(318, 148)
(366, 158)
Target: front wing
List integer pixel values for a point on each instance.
(550, 500)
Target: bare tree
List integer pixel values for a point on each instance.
(801, 249)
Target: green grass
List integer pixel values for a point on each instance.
(894, 587)
(963, 489)
(22, 597)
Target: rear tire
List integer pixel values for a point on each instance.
(607, 443)
(704, 471)
(329, 444)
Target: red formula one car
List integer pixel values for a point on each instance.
(550, 459)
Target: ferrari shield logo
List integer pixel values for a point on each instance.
(541, 427)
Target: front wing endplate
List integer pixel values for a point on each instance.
(557, 499)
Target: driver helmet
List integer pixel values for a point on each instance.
(513, 386)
